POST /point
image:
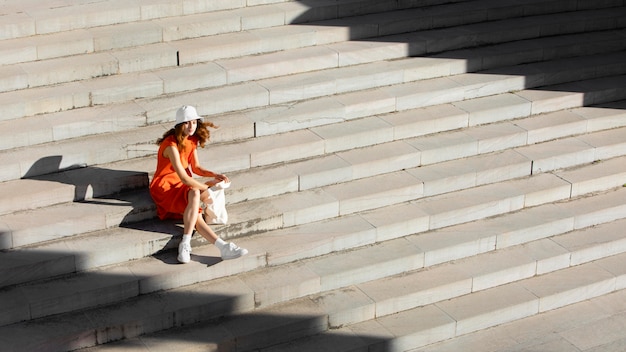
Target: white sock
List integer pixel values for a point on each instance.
(219, 243)
(186, 238)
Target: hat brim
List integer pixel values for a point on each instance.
(188, 118)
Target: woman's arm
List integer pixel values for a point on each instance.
(199, 170)
(174, 156)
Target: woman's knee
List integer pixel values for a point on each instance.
(194, 196)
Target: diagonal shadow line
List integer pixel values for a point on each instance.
(434, 33)
(41, 290)
(92, 308)
(327, 341)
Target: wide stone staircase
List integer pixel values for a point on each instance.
(407, 175)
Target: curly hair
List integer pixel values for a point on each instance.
(202, 134)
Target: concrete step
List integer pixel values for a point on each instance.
(420, 43)
(347, 211)
(592, 325)
(357, 164)
(100, 248)
(25, 19)
(336, 81)
(571, 149)
(107, 90)
(384, 224)
(289, 209)
(398, 98)
(86, 45)
(198, 20)
(331, 201)
(91, 49)
(116, 49)
(113, 118)
(70, 219)
(33, 18)
(109, 179)
(417, 328)
(346, 302)
(92, 150)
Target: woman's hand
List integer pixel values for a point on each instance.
(221, 177)
(217, 178)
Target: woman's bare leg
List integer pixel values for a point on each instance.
(205, 230)
(190, 216)
(204, 196)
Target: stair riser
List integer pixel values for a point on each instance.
(324, 280)
(332, 281)
(397, 204)
(451, 312)
(152, 61)
(334, 201)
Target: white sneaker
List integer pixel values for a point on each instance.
(232, 251)
(184, 252)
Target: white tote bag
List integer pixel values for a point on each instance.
(215, 211)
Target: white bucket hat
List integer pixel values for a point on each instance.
(186, 113)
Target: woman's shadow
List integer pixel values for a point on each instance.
(115, 187)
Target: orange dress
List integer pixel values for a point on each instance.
(167, 190)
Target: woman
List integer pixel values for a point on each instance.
(176, 193)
